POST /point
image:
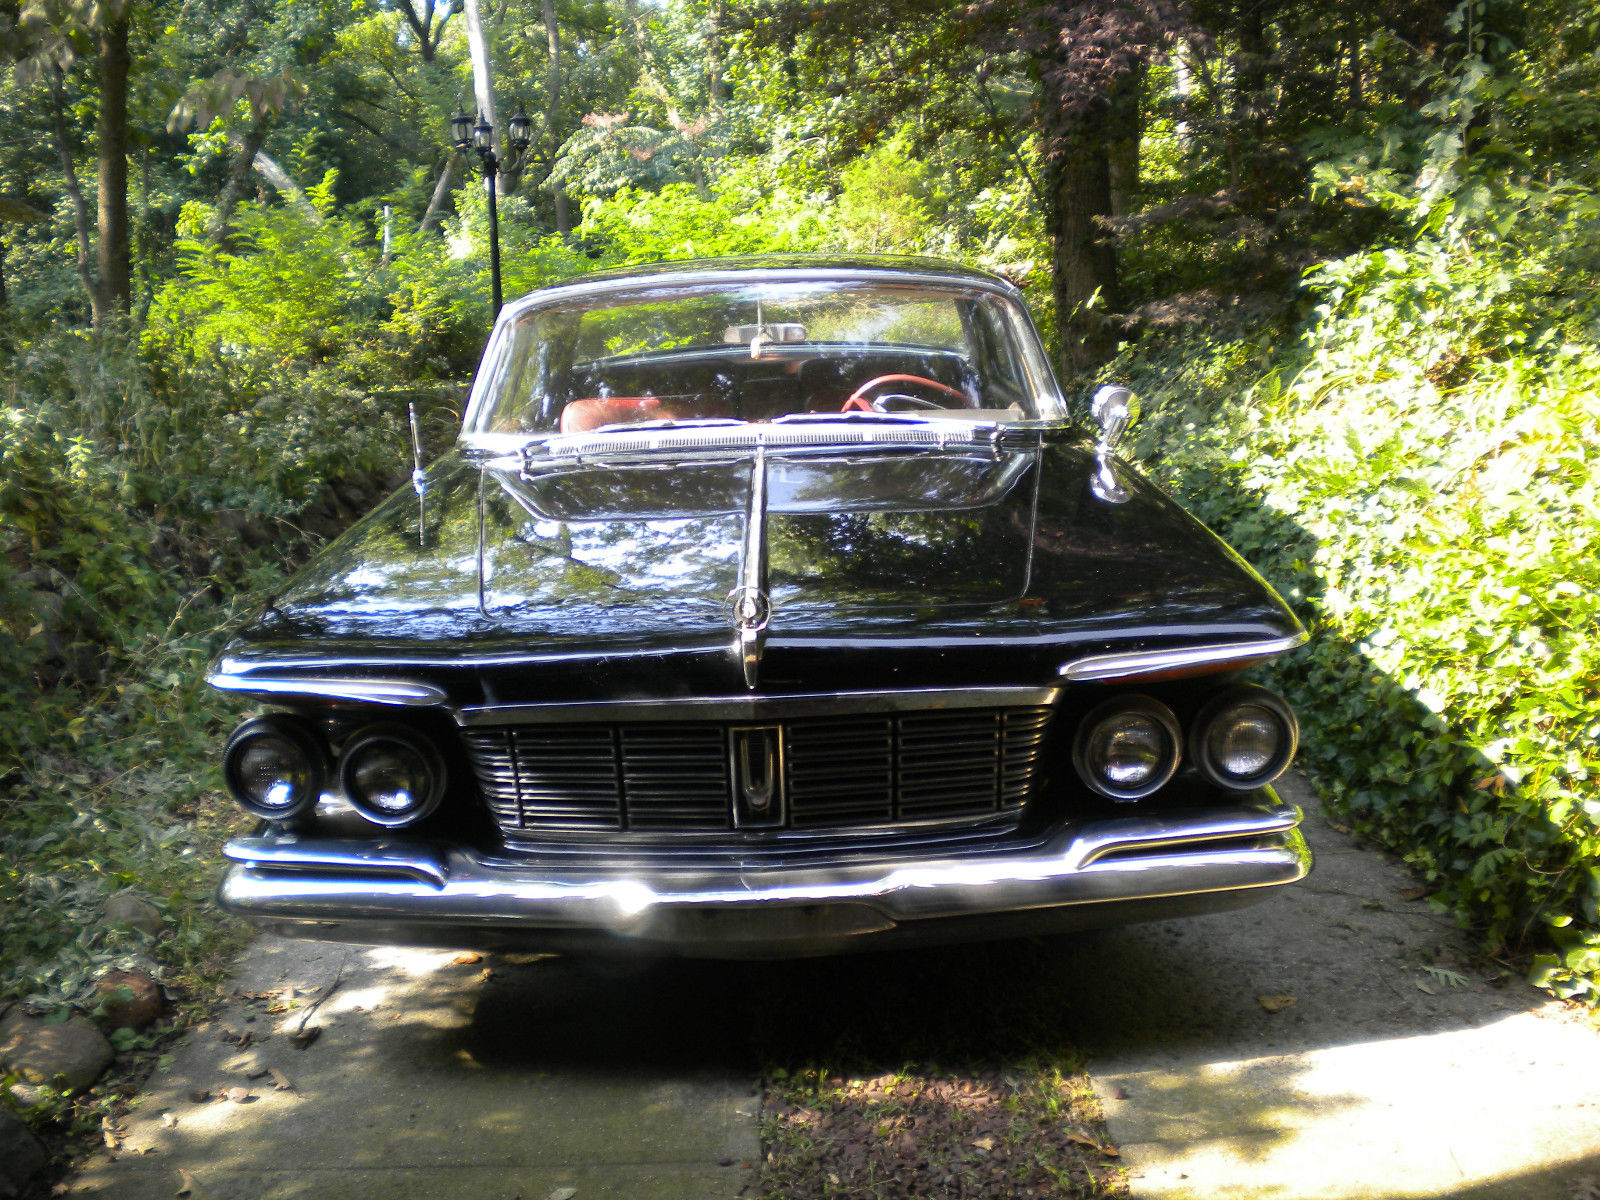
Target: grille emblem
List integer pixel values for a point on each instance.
(757, 761)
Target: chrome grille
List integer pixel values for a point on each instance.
(839, 773)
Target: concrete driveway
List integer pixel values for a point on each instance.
(1299, 1049)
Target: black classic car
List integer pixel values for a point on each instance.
(764, 607)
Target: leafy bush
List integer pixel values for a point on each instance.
(1421, 477)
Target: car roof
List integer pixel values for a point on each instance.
(789, 267)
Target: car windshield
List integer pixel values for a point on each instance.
(761, 352)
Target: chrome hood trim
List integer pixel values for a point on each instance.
(362, 691)
(1153, 662)
(749, 604)
(756, 708)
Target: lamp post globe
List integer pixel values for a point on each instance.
(461, 130)
(519, 131)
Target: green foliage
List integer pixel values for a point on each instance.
(743, 216)
(129, 505)
(1422, 478)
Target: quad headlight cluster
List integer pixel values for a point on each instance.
(278, 767)
(1130, 746)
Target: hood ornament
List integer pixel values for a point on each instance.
(749, 605)
(750, 609)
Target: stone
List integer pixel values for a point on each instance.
(126, 908)
(22, 1158)
(73, 1051)
(128, 1000)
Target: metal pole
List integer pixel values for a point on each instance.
(490, 169)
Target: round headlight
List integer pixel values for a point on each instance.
(274, 767)
(1244, 738)
(1127, 748)
(391, 776)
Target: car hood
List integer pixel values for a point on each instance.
(930, 563)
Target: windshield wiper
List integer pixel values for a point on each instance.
(663, 423)
(877, 418)
(857, 418)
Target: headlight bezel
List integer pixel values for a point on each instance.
(374, 738)
(1240, 697)
(298, 735)
(1132, 706)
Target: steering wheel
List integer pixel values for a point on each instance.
(858, 401)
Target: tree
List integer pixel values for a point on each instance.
(54, 34)
(1086, 60)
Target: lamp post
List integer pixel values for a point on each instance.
(469, 133)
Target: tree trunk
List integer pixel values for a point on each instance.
(552, 109)
(238, 176)
(115, 263)
(267, 167)
(482, 72)
(80, 210)
(1124, 134)
(714, 81)
(440, 191)
(1084, 259)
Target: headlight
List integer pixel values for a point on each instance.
(1127, 747)
(274, 766)
(1244, 738)
(390, 775)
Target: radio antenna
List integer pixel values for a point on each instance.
(418, 476)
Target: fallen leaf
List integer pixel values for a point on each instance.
(302, 1038)
(170, 1120)
(281, 1081)
(1275, 1003)
(1447, 977)
(983, 1143)
(467, 959)
(1423, 987)
(1414, 893)
(562, 1194)
(238, 1094)
(1082, 1139)
(186, 1182)
(199, 1095)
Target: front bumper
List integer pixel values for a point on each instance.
(1083, 875)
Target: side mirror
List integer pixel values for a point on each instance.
(1114, 409)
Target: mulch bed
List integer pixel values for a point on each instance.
(895, 1137)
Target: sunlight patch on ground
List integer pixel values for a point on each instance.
(1399, 1117)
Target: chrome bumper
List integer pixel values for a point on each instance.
(1085, 875)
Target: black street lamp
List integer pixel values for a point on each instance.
(469, 133)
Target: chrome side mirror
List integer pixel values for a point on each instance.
(1114, 409)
